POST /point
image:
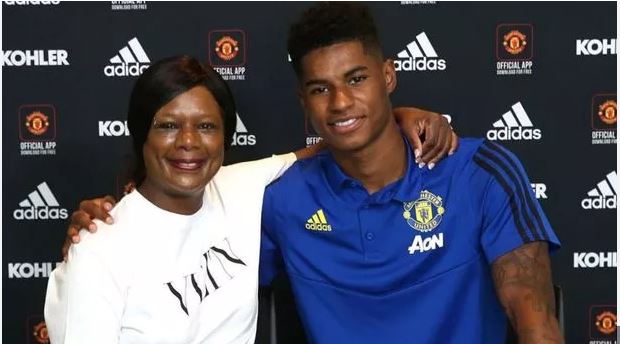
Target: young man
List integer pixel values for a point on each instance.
(379, 250)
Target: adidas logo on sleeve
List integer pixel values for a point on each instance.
(603, 196)
(419, 55)
(130, 60)
(318, 222)
(40, 205)
(514, 125)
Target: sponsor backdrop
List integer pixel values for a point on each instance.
(539, 78)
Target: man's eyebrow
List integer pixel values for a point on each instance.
(346, 75)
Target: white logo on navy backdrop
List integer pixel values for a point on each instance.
(128, 5)
(596, 46)
(41, 204)
(514, 125)
(20, 58)
(31, 270)
(603, 196)
(595, 260)
(419, 55)
(604, 118)
(113, 128)
(37, 129)
(514, 49)
(131, 60)
(26, 3)
(540, 190)
(241, 136)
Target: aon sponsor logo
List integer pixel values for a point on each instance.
(420, 244)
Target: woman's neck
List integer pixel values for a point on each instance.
(169, 201)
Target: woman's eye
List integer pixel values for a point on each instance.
(165, 125)
(207, 126)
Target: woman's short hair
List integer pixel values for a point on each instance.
(159, 84)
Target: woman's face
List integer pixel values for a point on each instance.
(185, 145)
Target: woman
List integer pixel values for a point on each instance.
(180, 263)
(157, 275)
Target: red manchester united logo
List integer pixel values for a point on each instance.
(227, 48)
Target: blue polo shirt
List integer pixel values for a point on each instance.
(409, 263)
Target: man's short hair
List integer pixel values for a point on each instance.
(328, 23)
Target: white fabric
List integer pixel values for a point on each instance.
(119, 284)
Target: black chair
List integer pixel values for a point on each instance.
(269, 333)
(511, 336)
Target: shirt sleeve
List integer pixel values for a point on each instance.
(270, 254)
(511, 215)
(84, 301)
(264, 170)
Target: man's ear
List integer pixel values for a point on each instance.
(389, 73)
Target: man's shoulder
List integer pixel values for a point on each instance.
(302, 172)
(479, 150)
(468, 146)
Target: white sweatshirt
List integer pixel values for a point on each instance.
(160, 277)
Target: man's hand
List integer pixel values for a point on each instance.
(97, 208)
(429, 133)
(523, 284)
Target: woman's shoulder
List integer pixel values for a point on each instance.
(114, 237)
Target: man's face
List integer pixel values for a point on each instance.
(345, 93)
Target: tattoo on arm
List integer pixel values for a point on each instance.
(523, 283)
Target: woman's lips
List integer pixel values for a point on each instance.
(187, 164)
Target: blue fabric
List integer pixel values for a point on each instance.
(409, 263)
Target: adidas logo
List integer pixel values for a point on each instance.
(241, 136)
(318, 222)
(40, 205)
(130, 61)
(419, 55)
(514, 125)
(603, 196)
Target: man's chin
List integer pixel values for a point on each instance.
(347, 145)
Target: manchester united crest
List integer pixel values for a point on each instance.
(226, 48)
(37, 123)
(514, 42)
(425, 213)
(606, 322)
(607, 112)
(39, 332)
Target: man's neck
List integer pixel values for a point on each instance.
(379, 164)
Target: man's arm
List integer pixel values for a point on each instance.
(523, 284)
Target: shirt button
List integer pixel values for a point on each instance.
(370, 236)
